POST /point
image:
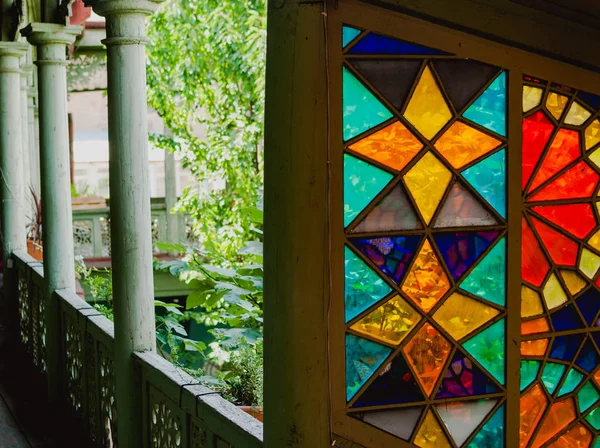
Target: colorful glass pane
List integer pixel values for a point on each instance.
(533, 404)
(578, 182)
(535, 326)
(389, 323)
(563, 150)
(553, 293)
(363, 287)
(398, 422)
(577, 219)
(378, 44)
(461, 249)
(577, 437)
(489, 110)
(529, 372)
(588, 358)
(393, 146)
(572, 380)
(573, 281)
(460, 315)
(348, 35)
(427, 110)
(592, 134)
(431, 434)
(461, 144)
(589, 263)
(362, 110)
(562, 249)
(567, 318)
(426, 282)
(589, 305)
(536, 347)
(362, 182)
(587, 396)
(560, 415)
(363, 358)
(556, 103)
(551, 375)
(532, 97)
(463, 378)
(462, 418)
(427, 353)
(577, 114)
(531, 304)
(537, 130)
(565, 347)
(488, 348)
(534, 265)
(391, 254)
(488, 177)
(462, 209)
(594, 418)
(492, 433)
(488, 278)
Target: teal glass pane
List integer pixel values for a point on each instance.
(597, 444)
(571, 382)
(363, 357)
(489, 110)
(587, 396)
(593, 419)
(362, 286)
(362, 111)
(529, 371)
(488, 177)
(348, 35)
(362, 182)
(492, 433)
(488, 348)
(488, 279)
(551, 375)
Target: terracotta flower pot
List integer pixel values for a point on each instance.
(254, 411)
(80, 13)
(35, 250)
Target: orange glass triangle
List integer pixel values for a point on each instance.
(579, 181)
(534, 265)
(562, 249)
(533, 404)
(461, 144)
(559, 416)
(563, 150)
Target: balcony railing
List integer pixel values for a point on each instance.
(177, 411)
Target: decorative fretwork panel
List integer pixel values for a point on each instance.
(105, 226)
(92, 390)
(73, 362)
(24, 309)
(108, 409)
(83, 238)
(165, 421)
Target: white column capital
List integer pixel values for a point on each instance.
(10, 56)
(120, 7)
(51, 34)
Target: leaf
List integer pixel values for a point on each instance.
(171, 247)
(234, 336)
(217, 272)
(252, 248)
(170, 307)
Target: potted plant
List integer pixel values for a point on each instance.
(34, 229)
(84, 199)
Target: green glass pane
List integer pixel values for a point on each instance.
(571, 382)
(488, 348)
(348, 35)
(594, 419)
(529, 371)
(362, 287)
(362, 111)
(597, 444)
(492, 433)
(551, 375)
(488, 279)
(363, 357)
(489, 110)
(362, 182)
(488, 177)
(587, 396)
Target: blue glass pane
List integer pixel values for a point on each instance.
(591, 99)
(565, 347)
(362, 182)
(552, 374)
(492, 433)
(488, 279)
(571, 382)
(377, 44)
(348, 35)
(461, 249)
(588, 358)
(489, 110)
(463, 379)
(589, 304)
(529, 371)
(362, 111)
(488, 177)
(567, 319)
(391, 254)
(362, 286)
(488, 348)
(395, 385)
(363, 358)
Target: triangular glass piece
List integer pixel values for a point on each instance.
(460, 315)
(578, 182)
(363, 358)
(562, 249)
(391, 254)
(488, 177)
(427, 109)
(394, 212)
(463, 78)
(489, 110)
(577, 114)
(461, 144)
(537, 129)
(531, 304)
(431, 434)
(462, 209)
(463, 378)
(532, 406)
(573, 281)
(378, 44)
(461, 249)
(577, 219)
(565, 347)
(492, 433)
(362, 287)
(592, 135)
(560, 415)
(534, 265)
(587, 396)
(427, 353)
(490, 341)
(462, 418)
(572, 380)
(348, 35)
(362, 110)
(551, 375)
(390, 323)
(362, 182)
(398, 422)
(588, 358)
(529, 372)
(553, 292)
(590, 99)
(567, 318)
(427, 180)
(395, 384)
(589, 305)
(488, 278)
(392, 78)
(589, 263)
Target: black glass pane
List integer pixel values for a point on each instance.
(588, 358)
(589, 304)
(567, 319)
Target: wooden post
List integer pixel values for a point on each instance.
(131, 239)
(171, 196)
(296, 223)
(51, 41)
(26, 71)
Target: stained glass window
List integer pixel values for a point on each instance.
(425, 219)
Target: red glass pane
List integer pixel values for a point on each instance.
(562, 249)
(534, 265)
(577, 219)
(537, 129)
(564, 149)
(578, 182)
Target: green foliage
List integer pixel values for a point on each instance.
(244, 375)
(206, 71)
